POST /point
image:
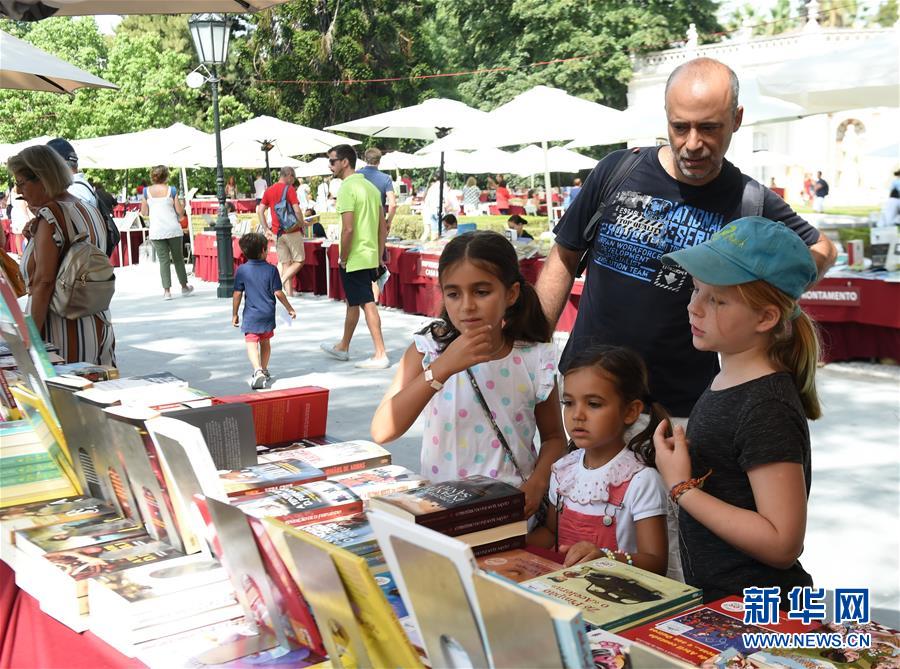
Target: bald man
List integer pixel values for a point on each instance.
(674, 196)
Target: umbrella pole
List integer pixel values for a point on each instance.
(440, 194)
(548, 193)
(268, 170)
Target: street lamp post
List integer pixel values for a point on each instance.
(210, 33)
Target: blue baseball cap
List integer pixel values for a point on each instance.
(748, 249)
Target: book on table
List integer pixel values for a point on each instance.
(335, 459)
(616, 596)
(302, 505)
(517, 565)
(704, 632)
(228, 431)
(281, 417)
(76, 534)
(269, 475)
(380, 481)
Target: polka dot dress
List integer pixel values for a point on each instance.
(459, 441)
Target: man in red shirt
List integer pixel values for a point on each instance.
(288, 245)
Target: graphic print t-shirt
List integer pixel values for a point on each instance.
(630, 298)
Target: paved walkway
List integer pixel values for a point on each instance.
(853, 533)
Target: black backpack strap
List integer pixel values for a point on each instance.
(752, 197)
(623, 168)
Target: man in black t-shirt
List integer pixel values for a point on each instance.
(678, 195)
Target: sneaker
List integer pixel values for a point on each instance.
(258, 380)
(185, 292)
(266, 373)
(167, 296)
(374, 363)
(335, 353)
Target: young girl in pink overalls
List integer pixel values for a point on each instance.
(609, 499)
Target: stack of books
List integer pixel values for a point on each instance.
(485, 514)
(315, 502)
(27, 471)
(616, 596)
(352, 533)
(155, 601)
(334, 459)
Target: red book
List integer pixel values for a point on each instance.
(703, 632)
(285, 416)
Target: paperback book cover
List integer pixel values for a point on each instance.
(268, 475)
(352, 533)
(379, 481)
(517, 565)
(334, 459)
(142, 390)
(284, 416)
(616, 596)
(228, 431)
(882, 654)
(608, 650)
(76, 534)
(704, 632)
(457, 507)
(81, 564)
(302, 505)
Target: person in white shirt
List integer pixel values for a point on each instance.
(80, 187)
(259, 187)
(303, 194)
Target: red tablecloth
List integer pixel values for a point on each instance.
(311, 277)
(30, 638)
(120, 209)
(858, 317)
(211, 207)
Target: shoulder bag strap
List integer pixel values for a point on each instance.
(500, 437)
(609, 188)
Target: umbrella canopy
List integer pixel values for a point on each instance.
(7, 150)
(420, 121)
(173, 146)
(290, 139)
(24, 66)
(530, 160)
(483, 161)
(316, 167)
(398, 160)
(35, 10)
(542, 114)
(858, 75)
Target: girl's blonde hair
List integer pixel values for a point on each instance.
(470, 181)
(794, 344)
(44, 164)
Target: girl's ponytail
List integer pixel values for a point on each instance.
(525, 320)
(795, 341)
(642, 442)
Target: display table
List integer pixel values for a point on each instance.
(858, 317)
(210, 207)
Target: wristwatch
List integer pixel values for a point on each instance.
(431, 381)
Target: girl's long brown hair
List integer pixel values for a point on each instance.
(794, 345)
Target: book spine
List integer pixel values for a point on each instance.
(14, 461)
(454, 527)
(498, 546)
(347, 467)
(29, 474)
(323, 514)
(263, 487)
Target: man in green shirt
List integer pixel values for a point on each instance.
(363, 231)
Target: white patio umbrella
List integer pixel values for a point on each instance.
(542, 114)
(858, 75)
(398, 160)
(35, 10)
(316, 167)
(172, 146)
(530, 160)
(25, 67)
(429, 120)
(483, 161)
(282, 138)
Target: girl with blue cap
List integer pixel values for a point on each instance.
(741, 473)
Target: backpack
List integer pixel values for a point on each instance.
(751, 199)
(112, 232)
(284, 210)
(85, 281)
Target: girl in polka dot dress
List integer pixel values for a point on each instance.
(492, 324)
(608, 497)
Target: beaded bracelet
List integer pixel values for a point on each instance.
(608, 553)
(627, 557)
(612, 556)
(680, 488)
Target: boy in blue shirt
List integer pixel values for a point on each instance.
(262, 284)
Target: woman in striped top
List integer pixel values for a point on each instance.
(42, 178)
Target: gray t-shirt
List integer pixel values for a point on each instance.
(731, 431)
